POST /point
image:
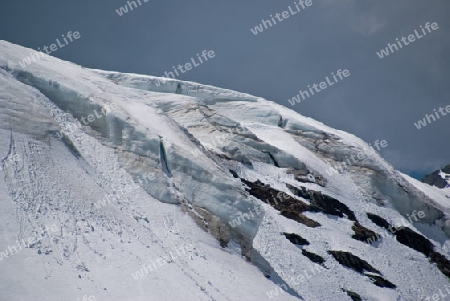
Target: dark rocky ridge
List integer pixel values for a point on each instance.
(363, 234)
(293, 208)
(415, 241)
(328, 205)
(288, 206)
(434, 179)
(361, 266)
(300, 241)
(351, 261)
(296, 239)
(322, 202)
(354, 296)
(314, 257)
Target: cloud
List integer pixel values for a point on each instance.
(368, 24)
(363, 19)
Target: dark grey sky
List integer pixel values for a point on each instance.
(381, 99)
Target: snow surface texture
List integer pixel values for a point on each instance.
(58, 163)
(446, 177)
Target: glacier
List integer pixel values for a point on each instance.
(173, 158)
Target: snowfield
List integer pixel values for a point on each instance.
(163, 189)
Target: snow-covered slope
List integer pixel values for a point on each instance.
(222, 195)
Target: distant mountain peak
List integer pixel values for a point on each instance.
(439, 178)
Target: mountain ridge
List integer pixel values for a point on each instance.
(269, 159)
(438, 178)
